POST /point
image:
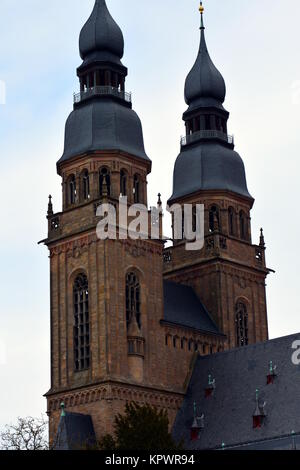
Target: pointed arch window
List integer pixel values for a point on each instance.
(243, 226)
(231, 221)
(241, 324)
(133, 299)
(86, 185)
(104, 182)
(72, 189)
(81, 323)
(123, 183)
(136, 189)
(214, 219)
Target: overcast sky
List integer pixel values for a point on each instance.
(256, 47)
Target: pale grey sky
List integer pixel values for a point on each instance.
(256, 47)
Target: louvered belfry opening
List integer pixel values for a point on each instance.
(81, 323)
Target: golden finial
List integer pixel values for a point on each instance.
(201, 9)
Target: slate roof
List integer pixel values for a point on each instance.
(103, 124)
(101, 33)
(206, 166)
(204, 80)
(75, 432)
(229, 411)
(183, 307)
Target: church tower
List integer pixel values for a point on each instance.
(229, 273)
(106, 295)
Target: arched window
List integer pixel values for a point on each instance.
(86, 185)
(133, 299)
(241, 324)
(104, 182)
(231, 221)
(243, 226)
(81, 323)
(123, 183)
(136, 189)
(72, 189)
(214, 219)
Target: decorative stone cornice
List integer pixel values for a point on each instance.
(110, 392)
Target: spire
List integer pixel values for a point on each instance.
(101, 34)
(62, 406)
(204, 80)
(262, 239)
(50, 206)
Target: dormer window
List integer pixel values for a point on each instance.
(210, 387)
(198, 424)
(259, 413)
(272, 374)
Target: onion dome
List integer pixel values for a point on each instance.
(101, 33)
(204, 80)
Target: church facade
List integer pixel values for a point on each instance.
(130, 318)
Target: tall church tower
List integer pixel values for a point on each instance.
(106, 295)
(229, 273)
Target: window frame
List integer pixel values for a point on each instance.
(81, 323)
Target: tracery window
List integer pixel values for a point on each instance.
(241, 324)
(81, 323)
(133, 299)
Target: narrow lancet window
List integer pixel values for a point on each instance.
(81, 323)
(133, 300)
(136, 189)
(72, 190)
(86, 185)
(241, 323)
(123, 183)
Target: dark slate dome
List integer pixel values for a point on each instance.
(101, 33)
(204, 80)
(103, 125)
(209, 166)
